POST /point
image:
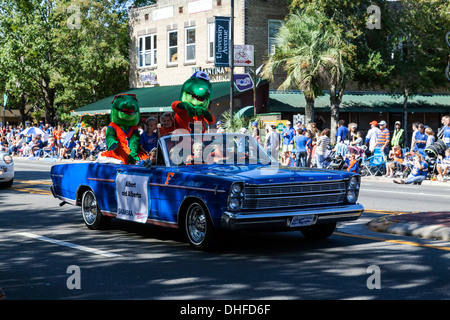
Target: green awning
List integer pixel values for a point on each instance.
(361, 102)
(247, 111)
(151, 100)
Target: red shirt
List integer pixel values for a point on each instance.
(165, 131)
(183, 121)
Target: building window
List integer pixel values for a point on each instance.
(173, 47)
(211, 35)
(274, 26)
(147, 51)
(190, 45)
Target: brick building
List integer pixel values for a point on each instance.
(172, 39)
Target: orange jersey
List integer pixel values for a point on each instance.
(123, 150)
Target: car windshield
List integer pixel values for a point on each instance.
(229, 148)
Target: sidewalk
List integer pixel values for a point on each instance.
(428, 225)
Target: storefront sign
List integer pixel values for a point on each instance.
(199, 6)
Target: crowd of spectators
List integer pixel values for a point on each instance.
(78, 142)
(63, 142)
(299, 145)
(307, 146)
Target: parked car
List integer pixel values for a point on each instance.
(6, 170)
(206, 184)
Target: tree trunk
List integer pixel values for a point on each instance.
(22, 104)
(49, 101)
(334, 119)
(405, 116)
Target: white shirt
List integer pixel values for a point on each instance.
(372, 135)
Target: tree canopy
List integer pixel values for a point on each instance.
(58, 55)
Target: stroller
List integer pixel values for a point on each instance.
(358, 151)
(334, 160)
(431, 156)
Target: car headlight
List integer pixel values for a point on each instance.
(353, 189)
(236, 196)
(236, 188)
(7, 159)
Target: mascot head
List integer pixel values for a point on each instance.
(197, 90)
(125, 110)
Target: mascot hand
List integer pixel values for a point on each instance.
(133, 158)
(191, 110)
(204, 112)
(111, 144)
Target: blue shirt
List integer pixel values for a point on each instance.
(418, 172)
(342, 133)
(447, 136)
(289, 135)
(148, 142)
(421, 140)
(300, 143)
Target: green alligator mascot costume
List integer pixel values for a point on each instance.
(194, 105)
(122, 135)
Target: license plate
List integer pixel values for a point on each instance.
(301, 221)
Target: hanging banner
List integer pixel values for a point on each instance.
(222, 42)
(5, 99)
(132, 197)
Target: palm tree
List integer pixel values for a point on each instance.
(311, 49)
(302, 51)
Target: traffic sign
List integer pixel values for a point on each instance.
(243, 82)
(244, 55)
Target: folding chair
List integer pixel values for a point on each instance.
(375, 164)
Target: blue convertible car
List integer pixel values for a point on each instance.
(206, 184)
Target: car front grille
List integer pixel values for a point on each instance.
(294, 195)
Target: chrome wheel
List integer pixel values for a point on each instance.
(199, 229)
(92, 215)
(89, 208)
(196, 224)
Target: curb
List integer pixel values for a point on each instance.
(397, 227)
(389, 180)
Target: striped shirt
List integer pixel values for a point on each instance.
(322, 145)
(383, 136)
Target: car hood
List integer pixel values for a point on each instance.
(260, 174)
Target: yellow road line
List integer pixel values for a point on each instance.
(384, 211)
(31, 190)
(409, 243)
(33, 182)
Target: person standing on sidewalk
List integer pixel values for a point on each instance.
(288, 137)
(444, 132)
(322, 146)
(384, 137)
(398, 136)
(272, 143)
(301, 153)
(372, 136)
(341, 131)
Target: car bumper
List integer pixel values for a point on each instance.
(277, 219)
(6, 173)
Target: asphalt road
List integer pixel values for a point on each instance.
(46, 253)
